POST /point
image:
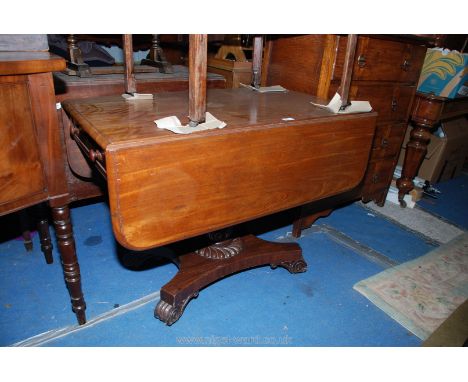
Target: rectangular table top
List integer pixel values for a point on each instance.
(12, 63)
(113, 120)
(164, 187)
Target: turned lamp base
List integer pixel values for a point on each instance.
(203, 267)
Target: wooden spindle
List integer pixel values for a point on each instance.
(130, 83)
(74, 51)
(348, 70)
(257, 61)
(76, 65)
(197, 78)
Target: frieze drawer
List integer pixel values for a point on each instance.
(89, 148)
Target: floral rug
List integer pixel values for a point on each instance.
(422, 293)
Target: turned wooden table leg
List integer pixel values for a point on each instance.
(44, 237)
(426, 113)
(25, 232)
(42, 224)
(416, 150)
(71, 269)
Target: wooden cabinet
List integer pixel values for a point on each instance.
(22, 180)
(385, 73)
(377, 59)
(32, 167)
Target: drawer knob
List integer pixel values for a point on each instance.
(75, 131)
(394, 104)
(361, 61)
(406, 65)
(375, 178)
(95, 155)
(384, 142)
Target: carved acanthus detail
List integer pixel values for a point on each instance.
(222, 250)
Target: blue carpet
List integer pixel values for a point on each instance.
(452, 203)
(378, 233)
(261, 307)
(33, 295)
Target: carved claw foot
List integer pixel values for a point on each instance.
(297, 266)
(168, 313)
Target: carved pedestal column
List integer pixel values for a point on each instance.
(426, 113)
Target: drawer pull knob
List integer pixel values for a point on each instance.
(384, 142)
(361, 61)
(95, 155)
(75, 131)
(394, 104)
(406, 65)
(375, 178)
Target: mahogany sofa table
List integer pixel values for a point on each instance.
(278, 151)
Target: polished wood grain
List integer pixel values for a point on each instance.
(21, 171)
(381, 60)
(49, 135)
(29, 62)
(295, 62)
(257, 165)
(82, 180)
(393, 103)
(108, 120)
(385, 72)
(387, 140)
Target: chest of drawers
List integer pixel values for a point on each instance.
(385, 73)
